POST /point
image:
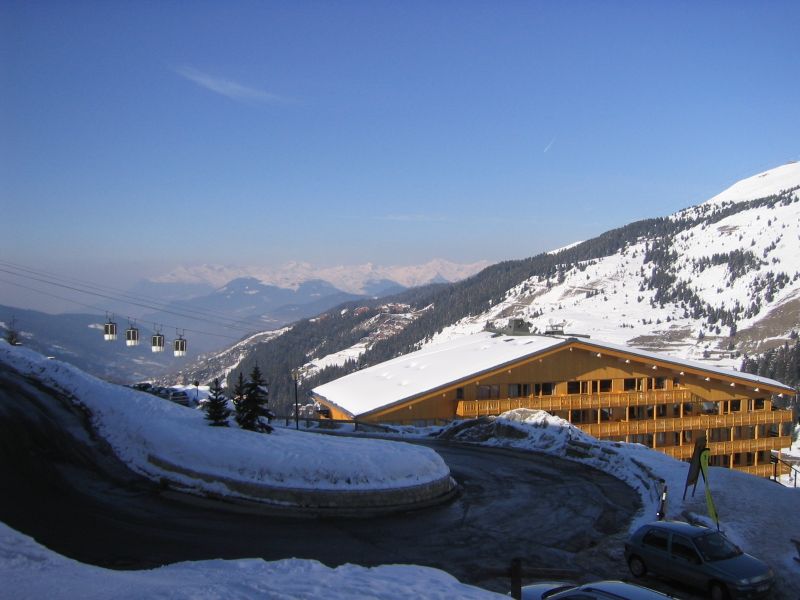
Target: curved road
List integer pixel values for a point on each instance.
(67, 490)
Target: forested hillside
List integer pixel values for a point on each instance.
(663, 270)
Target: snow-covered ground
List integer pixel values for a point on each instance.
(31, 571)
(148, 433)
(756, 513)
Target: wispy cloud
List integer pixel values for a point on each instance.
(553, 141)
(418, 218)
(226, 87)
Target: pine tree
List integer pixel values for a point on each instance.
(251, 402)
(256, 398)
(216, 408)
(239, 403)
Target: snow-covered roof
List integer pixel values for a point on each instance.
(447, 363)
(427, 369)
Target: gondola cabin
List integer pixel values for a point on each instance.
(132, 336)
(157, 343)
(179, 346)
(110, 331)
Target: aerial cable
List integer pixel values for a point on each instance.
(140, 304)
(122, 295)
(94, 308)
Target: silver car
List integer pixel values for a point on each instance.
(699, 557)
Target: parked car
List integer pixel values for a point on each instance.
(600, 590)
(179, 397)
(699, 557)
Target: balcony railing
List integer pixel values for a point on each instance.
(686, 423)
(478, 408)
(717, 448)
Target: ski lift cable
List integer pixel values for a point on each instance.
(122, 294)
(140, 304)
(94, 308)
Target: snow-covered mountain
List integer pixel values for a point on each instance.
(713, 282)
(368, 278)
(717, 280)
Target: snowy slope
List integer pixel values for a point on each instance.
(29, 570)
(760, 185)
(610, 298)
(154, 437)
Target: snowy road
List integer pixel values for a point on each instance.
(65, 489)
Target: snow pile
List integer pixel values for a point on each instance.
(29, 570)
(754, 512)
(152, 435)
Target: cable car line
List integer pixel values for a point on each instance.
(140, 304)
(94, 308)
(122, 296)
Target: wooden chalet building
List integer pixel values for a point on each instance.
(611, 392)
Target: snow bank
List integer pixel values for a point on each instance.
(29, 570)
(754, 512)
(153, 436)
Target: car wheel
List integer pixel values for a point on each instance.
(637, 566)
(718, 591)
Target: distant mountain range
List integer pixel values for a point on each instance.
(365, 279)
(713, 282)
(209, 316)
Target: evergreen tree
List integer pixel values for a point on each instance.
(239, 404)
(256, 398)
(216, 408)
(251, 402)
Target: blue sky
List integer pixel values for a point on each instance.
(141, 135)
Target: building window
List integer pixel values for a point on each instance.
(736, 405)
(573, 387)
(629, 385)
(488, 392)
(519, 390)
(758, 404)
(658, 383)
(676, 382)
(605, 385)
(460, 393)
(710, 408)
(548, 389)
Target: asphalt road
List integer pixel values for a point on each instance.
(65, 489)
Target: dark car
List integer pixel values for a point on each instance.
(600, 590)
(699, 557)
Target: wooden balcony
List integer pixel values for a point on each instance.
(719, 448)
(687, 423)
(479, 408)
